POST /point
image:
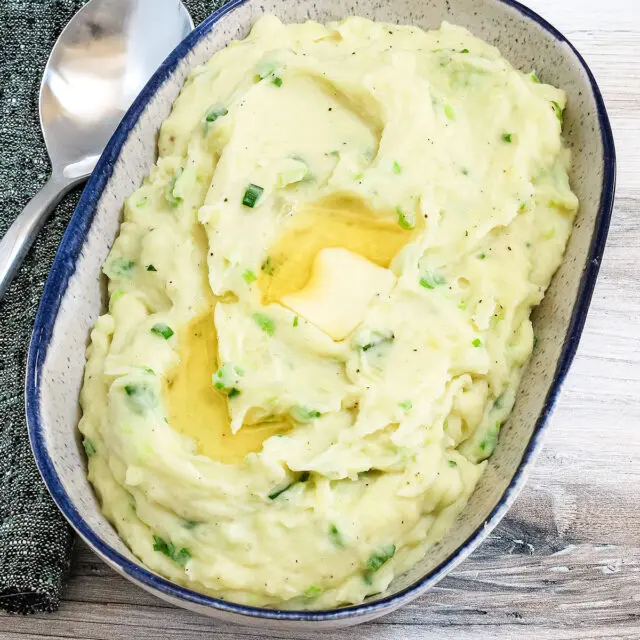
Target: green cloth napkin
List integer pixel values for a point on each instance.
(35, 540)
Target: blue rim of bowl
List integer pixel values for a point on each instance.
(64, 267)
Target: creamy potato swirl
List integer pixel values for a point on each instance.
(319, 307)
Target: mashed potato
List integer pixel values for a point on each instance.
(319, 307)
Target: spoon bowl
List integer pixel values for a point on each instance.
(99, 64)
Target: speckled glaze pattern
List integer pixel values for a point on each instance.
(75, 296)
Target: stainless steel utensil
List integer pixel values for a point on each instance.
(99, 64)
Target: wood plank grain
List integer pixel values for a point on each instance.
(565, 563)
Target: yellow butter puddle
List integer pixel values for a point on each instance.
(335, 222)
(197, 409)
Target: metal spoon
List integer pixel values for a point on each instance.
(99, 64)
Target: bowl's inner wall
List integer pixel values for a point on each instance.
(528, 46)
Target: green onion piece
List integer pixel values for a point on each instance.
(449, 112)
(266, 69)
(141, 202)
(115, 296)
(304, 414)
(216, 111)
(179, 556)
(304, 476)
(150, 267)
(377, 559)
(225, 380)
(406, 405)
(182, 556)
(149, 370)
(558, 111)
(336, 536)
(277, 80)
(453, 463)
(251, 195)
(249, 276)
(312, 592)
(465, 51)
(405, 221)
(396, 167)
(488, 443)
(89, 447)
(377, 338)
(295, 321)
(274, 494)
(506, 137)
(431, 280)
(482, 256)
(169, 194)
(140, 397)
(477, 342)
(119, 268)
(265, 323)
(534, 77)
(162, 329)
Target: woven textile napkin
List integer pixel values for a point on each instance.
(35, 540)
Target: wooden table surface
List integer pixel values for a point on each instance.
(565, 562)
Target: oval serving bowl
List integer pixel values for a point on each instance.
(74, 293)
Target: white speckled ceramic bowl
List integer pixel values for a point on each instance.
(74, 295)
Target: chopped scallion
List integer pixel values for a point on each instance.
(162, 329)
(251, 195)
(249, 276)
(119, 268)
(89, 447)
(265, 323)
(336, 536)
(179, 556)
(377, 559)
(140, 397)
(431, 280)
(304, 414)
(216, 111)
(169, 194)
(405, 221)
(304, 476)
(558, 111)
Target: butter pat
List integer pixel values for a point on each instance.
(339, 291)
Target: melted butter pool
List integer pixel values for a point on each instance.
(335, 222)
(197, 409)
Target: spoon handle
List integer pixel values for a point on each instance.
(20, 236)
